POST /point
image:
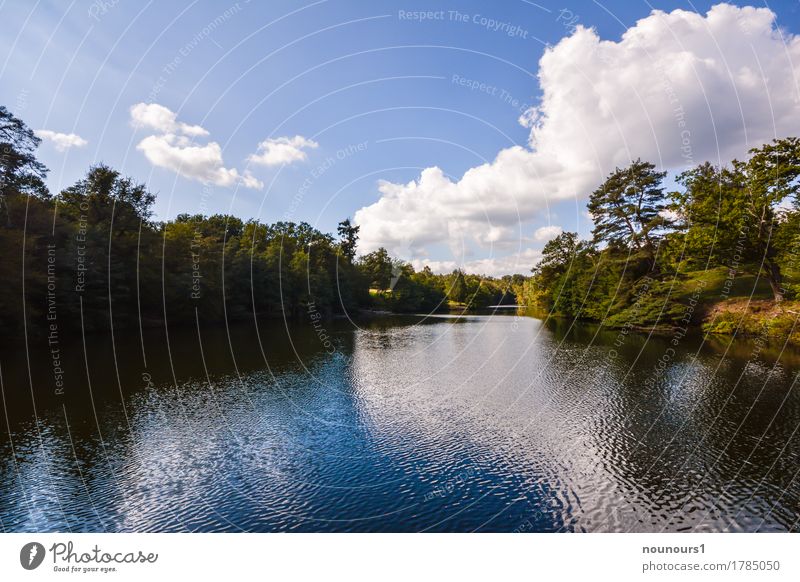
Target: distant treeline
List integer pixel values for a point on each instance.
(683, 257)
(92, 257)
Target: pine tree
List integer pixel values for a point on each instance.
(628, 209)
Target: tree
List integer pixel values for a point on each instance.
(557, 255)
(104, 191)
(710, 215)
(19, 168)
(348, 234)
(26, 221)
(788, 243)
(457, 287)
(95, 253)
(481, 292)
(628, 208)
(377, 268)
(108, 211)
(731, 215)
(771, 177)
(552, 272)
(432, 288)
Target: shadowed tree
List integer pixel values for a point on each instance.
(20, 171)
(348, 234)
(26, 221)
(110, 214)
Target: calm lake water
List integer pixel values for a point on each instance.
(484, 422)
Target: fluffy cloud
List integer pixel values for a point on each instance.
(61, 141)
(678, 88)
(201, 163)
(158, 117)
(282, 150)
(173, 149)
(545, 233)
(520, 262)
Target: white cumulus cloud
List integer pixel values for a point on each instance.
(677, 89)
(158, 117)
(282, 150)
(61, 141)
(173, 148)
(545, 233)
(520, 262)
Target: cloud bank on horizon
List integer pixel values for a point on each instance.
(677, 89)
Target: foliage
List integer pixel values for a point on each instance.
(349, 235)
(20, 171)
(627, 208)
(92, 257)
(664, 260)
(377, 268)
(758, 318)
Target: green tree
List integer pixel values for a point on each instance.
(377, 268)
(555, 274)
(770, 177)
(731, 216)
(788, 243)
(710, 215)
(457, 287)
(557, 255)
(627, 209)
(20, 171)
(108, 213)
(480, 292)
(348, 234)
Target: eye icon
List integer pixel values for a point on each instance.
(31, 555)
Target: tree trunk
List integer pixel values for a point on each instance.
(775, 280)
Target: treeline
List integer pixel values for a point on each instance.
(395, 286)
(661, 257)
(92, 257)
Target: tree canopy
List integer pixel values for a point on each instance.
(735, 224)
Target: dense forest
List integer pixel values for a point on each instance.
(92, 257)
(721, 251)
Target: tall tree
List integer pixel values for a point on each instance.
(628, 208)
(348, 233)
(25, 224)
(709, 215)
(19, 168)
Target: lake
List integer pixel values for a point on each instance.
(495, 422)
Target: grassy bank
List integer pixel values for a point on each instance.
(755, 318)
(714, 300)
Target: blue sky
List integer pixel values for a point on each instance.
(383, 94)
